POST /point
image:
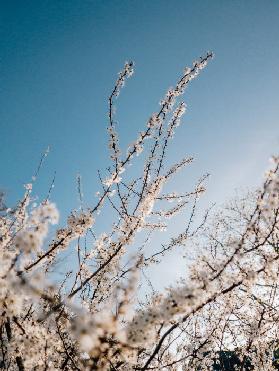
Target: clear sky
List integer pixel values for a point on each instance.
(59, 60)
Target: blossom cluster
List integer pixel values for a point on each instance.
(92, 316)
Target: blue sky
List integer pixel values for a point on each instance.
(59, 60)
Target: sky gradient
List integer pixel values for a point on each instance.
(59, 61)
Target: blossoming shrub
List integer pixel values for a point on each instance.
(92, 320)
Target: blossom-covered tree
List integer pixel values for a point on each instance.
(93, 319)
